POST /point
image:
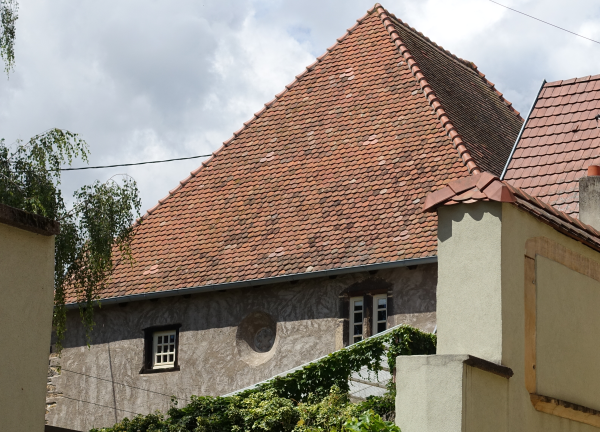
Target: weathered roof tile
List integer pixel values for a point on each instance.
(333, 172)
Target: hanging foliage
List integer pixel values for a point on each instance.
(98, 222)
(8, 17)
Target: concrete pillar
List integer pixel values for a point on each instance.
(589, 197)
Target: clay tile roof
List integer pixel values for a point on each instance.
(332, 173)
(479, 187)
(559, 141)
(488, 187)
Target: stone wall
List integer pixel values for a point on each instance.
(52, 394)
(220, 349)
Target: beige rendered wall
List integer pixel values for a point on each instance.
(567, 324)
(567, 336)
(469, 302)
(481, 310)
(26, 284)
(441, 393)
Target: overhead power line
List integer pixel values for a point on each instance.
(97, 404)
(123, 384)
(134, 163)
(545, 22)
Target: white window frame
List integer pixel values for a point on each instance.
(352, 338)
(171, 347)
(375, 318)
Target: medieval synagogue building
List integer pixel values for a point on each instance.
(302, 234)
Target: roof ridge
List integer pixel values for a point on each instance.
(467, 64)
(257, 114)
(433, 100)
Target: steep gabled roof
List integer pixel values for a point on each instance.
(486, 122)
(558, 143)
(328, 175)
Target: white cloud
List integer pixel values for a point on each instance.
(144, 80)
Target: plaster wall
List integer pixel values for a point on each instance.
(441, 393)
(430, 393)
(26, 284)
(550, 343)
(564, 321)
(469, 295)
(568, 327)
(105, 379)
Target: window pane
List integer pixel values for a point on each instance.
(382, 303)
(157, 359)
(357, 338)
(164, 358)
(170, 357)
(159, 349)
(160, 339)
(172, 348)
(358, 317)
(380, 327)
(172, 338)
(381, 315)
(358, 329)
(358, 305)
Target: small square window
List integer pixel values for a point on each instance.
(161, 349)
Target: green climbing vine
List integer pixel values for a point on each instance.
(313, 398)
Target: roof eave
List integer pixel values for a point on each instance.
(263, 281)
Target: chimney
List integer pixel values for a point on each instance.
(589, 197)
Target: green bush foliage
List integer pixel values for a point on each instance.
(370, 422)
(314, 398)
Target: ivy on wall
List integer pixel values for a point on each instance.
(313, 398)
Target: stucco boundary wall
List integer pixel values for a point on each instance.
(451, 393)
(27, 287)
(520, 295)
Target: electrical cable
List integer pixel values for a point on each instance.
(123, 384)
(93, 403)
(545, 22)
(134, 163)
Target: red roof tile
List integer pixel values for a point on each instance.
(571, 139)
(318, 180)
(488, 187)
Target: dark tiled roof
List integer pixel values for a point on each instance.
(330, 174)
(28, 221)
(559, 142)
(488, 123)
(487, 187)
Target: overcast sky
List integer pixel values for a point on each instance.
(147, 79)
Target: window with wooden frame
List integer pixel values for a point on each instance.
(380, 302)
(161, 349)
(365, 309)
(357, 316)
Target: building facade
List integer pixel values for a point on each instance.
(517, 302)
(302, 234)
